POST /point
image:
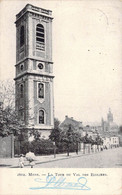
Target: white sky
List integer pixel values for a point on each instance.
(87, 55)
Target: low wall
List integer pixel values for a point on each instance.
(7, 147)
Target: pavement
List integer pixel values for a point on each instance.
(14, 162)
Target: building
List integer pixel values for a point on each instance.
(109, 125)
(34, 69)
(114, 141)
(110, 141)
(71, 121)
(92, 126)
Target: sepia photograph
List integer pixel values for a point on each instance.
(60, 88)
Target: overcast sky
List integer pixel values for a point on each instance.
(87, 55)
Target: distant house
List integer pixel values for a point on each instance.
(110, 140)
(92, 126)
(71, 121)
(114, 141)
(106, 142)
(92, 129)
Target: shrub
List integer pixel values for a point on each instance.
(42, 147)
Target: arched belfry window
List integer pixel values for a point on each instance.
(40, 36)
(40, 33)
(21, 91)
(40, 90)
(41, 116)
(22, 36)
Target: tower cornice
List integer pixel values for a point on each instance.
(34, 10)
(33, 74)
(27, 58)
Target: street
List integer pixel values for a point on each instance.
(106, 159)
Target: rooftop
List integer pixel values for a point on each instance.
(34, 9)
(71, 120)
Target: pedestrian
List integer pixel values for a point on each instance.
(30, 156)
(21, 161)
(32, 163)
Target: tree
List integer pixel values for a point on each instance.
(120, 130)
(35, 134)
(7, 94)
(10, 122)
(67, 137)
(70, 137)
(7, 113)
(85, 139)
(56, 123)
(91, 141)
(55, 134)
(77, 140)
(99, 140)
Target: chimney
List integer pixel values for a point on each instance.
(66, 116)
(72, 118)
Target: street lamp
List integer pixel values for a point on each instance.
(54, 146)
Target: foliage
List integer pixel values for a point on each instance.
(24, 147)
(85, 139)
(67, 139)
(35, 133)
(91, 141)
(70, 137)
(120, 130)
(10, 122)
(7, 93)
(55, 134)
(88, 140)
(98, 140)
(56, 123)
(42, 146)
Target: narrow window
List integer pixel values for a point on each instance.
(21, 114)
(40, 90)
(41, 117)
(22, 67)
(40, 37)
(22, 38)
(21, 91)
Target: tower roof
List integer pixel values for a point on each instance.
(34, 9)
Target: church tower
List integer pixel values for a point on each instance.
(34, 69)
(110, 116)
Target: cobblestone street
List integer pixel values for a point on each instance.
(107, 159)
(111, 158)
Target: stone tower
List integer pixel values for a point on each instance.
(34, 68)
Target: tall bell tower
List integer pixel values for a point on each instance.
(34, 68)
